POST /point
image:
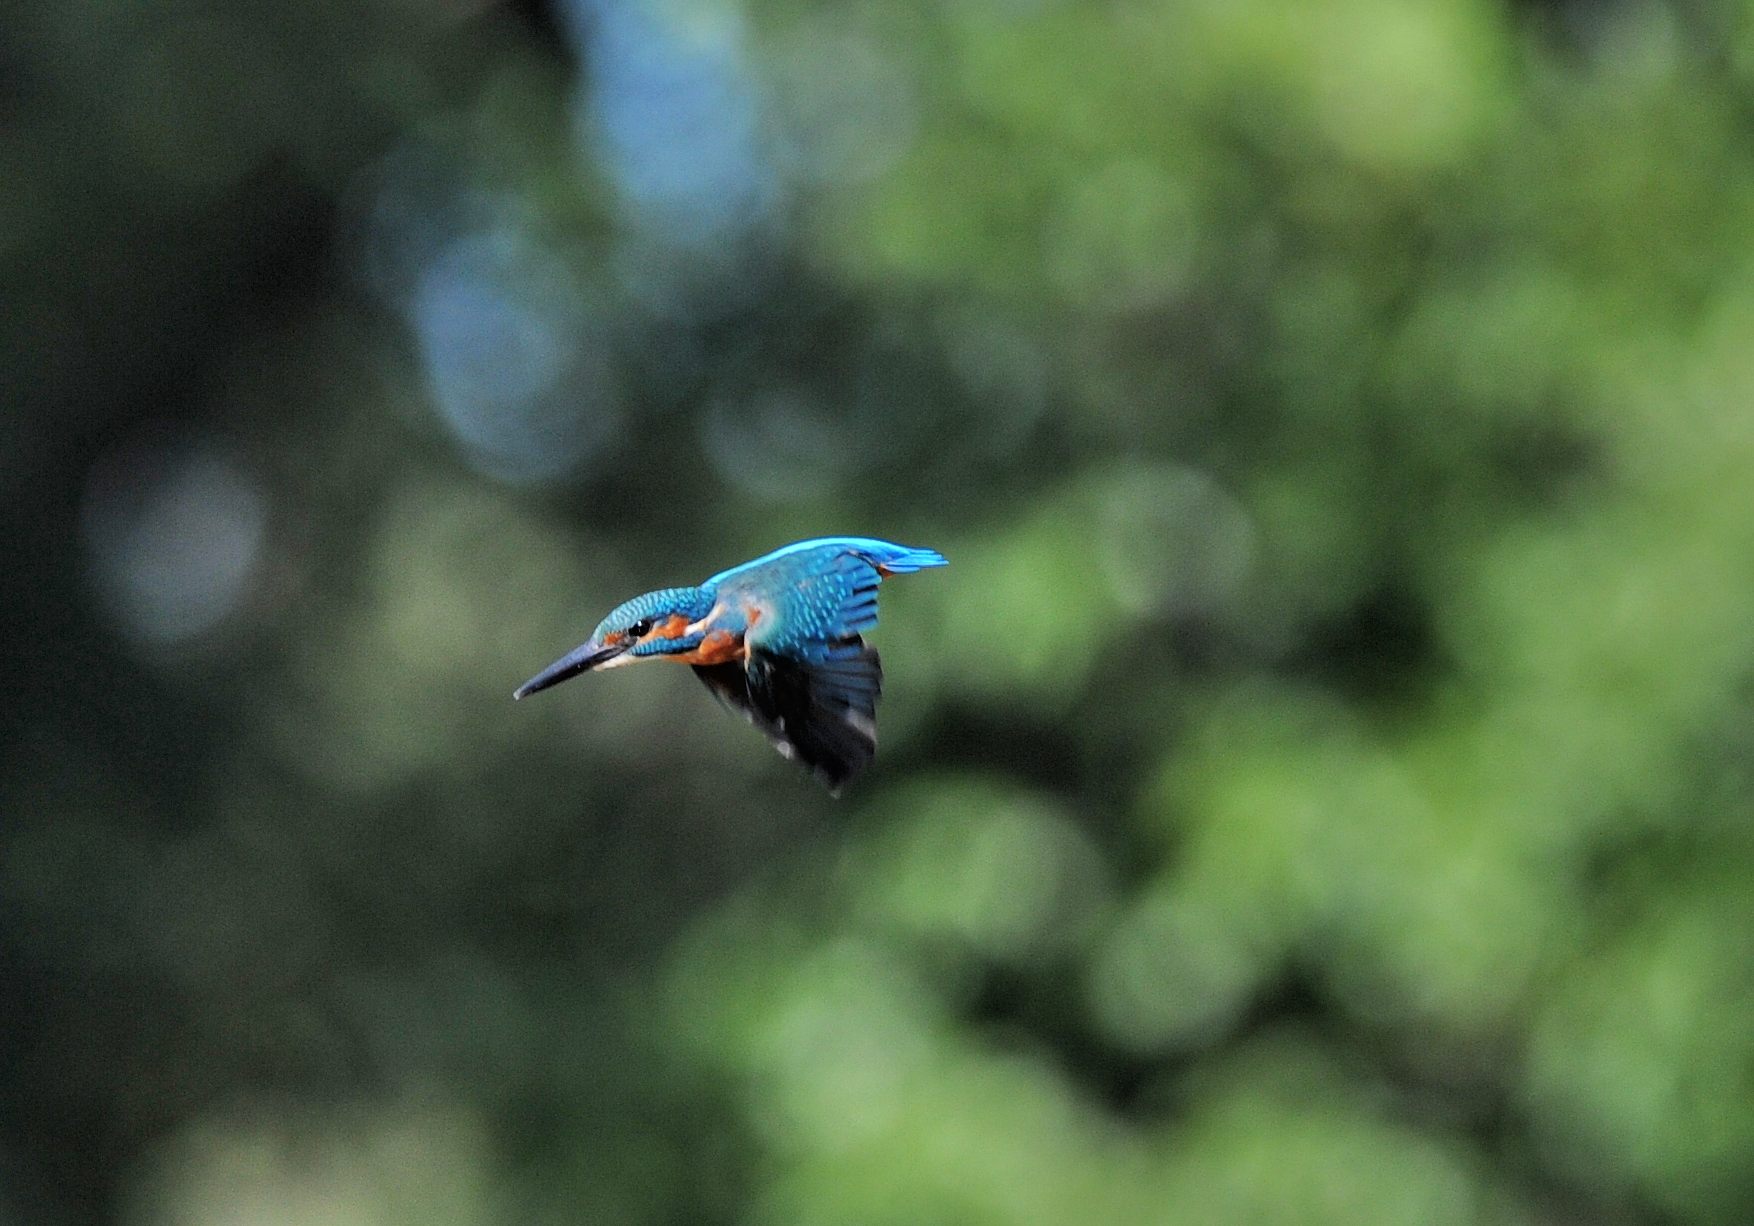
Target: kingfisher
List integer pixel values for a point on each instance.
(779, 639)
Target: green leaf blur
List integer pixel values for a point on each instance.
(1318, 791)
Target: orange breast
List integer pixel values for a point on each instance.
(718, 647)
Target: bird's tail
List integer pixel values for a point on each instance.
(905, 559)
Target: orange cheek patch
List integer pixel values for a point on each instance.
(672, 627)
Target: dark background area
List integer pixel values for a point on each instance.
(1317, 792)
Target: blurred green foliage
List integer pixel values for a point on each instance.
(1319, 791)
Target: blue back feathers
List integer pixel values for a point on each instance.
(897, 559)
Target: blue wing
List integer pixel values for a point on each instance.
(809, 681)
(820, 592)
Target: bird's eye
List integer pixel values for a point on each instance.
(639, 628)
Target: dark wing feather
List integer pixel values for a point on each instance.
(821, 713)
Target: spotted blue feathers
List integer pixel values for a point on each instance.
(819, 592)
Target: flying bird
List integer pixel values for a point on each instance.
(780, 639)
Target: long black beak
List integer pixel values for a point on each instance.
(581, 659)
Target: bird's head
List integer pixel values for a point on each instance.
(647, 627)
